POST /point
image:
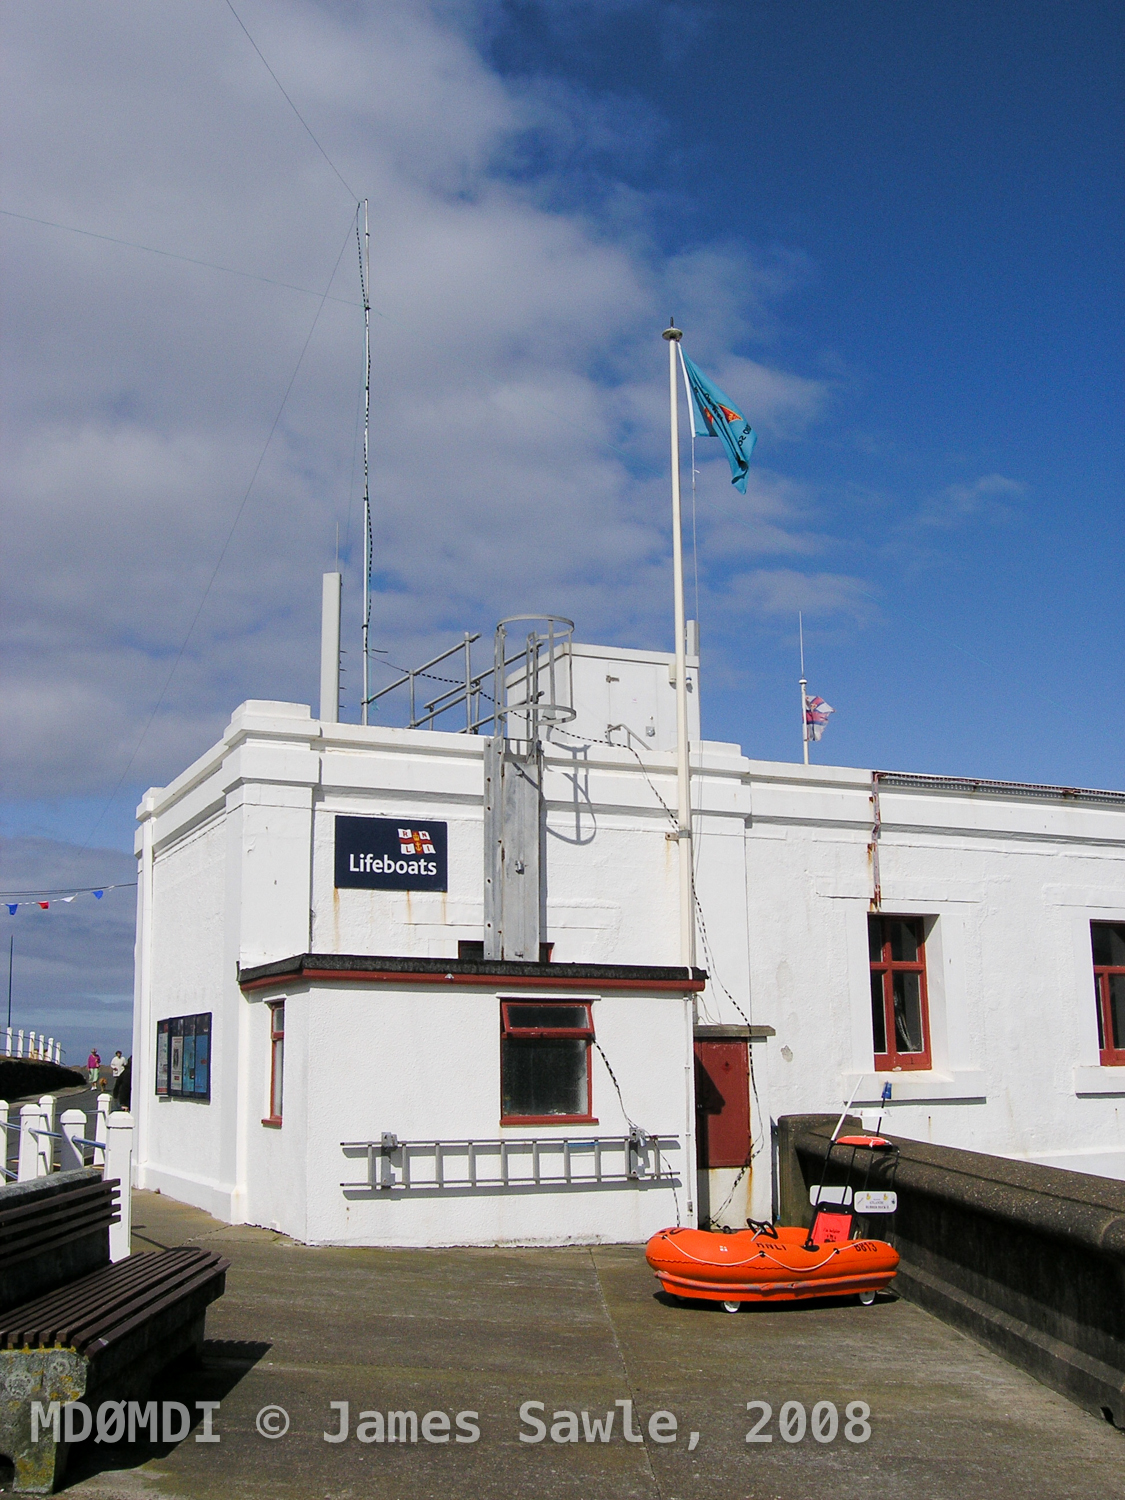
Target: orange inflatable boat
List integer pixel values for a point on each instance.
(767, 1264)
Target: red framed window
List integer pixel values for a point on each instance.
(900, 1020)
(277, 1062)
(1108, 942)
(545, 1062)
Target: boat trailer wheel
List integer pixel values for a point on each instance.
(867, 1298)
(732, 1307)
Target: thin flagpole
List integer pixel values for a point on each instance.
(683, 764)
(365, 276)
(804, 693)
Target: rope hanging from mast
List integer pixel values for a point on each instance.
(364, 247)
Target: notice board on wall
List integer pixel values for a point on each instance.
(391, 854)
(183, 1057)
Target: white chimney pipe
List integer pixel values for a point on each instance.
(330, 649)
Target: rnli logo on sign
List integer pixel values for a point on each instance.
(382, 854)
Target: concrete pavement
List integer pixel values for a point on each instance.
(581, 1330)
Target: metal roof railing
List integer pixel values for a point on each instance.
(908, 781)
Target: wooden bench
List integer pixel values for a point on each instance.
(74, 1327)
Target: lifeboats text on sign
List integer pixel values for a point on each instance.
(391, 854)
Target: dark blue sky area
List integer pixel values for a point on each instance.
(952, 176)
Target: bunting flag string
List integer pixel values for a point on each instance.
(46, 899)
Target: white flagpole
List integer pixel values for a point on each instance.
(365, 277)
(804, 694)
(683, 764)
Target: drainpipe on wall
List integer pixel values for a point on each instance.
(873, 846)
(689, 1106)
(142, 1011)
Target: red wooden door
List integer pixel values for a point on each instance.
(722, 1104)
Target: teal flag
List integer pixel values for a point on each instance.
(715, 416)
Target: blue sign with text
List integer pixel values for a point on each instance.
(391, 854)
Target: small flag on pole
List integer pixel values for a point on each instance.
(714, 415)
(816, 717)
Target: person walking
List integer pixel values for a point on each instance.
(117, 1065)
(122, 1088)
(93, 1063)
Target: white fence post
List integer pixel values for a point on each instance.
(47, 1104)
(4, 1138)
(31, 1118)
(119, 1165)
(73, 1124)
(104, 1101)
(58, 1052)
(8, 1041)
(45, 1156)
(19, 1042)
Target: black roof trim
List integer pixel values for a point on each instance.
(733, 1033)
(362, 963)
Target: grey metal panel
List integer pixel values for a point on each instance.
(520, 856)
(512, 844)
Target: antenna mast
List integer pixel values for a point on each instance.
(804, 693)
(364, 280)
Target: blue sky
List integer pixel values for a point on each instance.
(947, 186)
(893, 233)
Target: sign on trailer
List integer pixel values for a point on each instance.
(876, 1203)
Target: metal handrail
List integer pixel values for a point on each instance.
(556, 641)
(407, 678)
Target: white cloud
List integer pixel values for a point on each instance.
(518, 421)
(781, 592)
(993, 499)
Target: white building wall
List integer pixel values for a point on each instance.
(629, 697)
(424, 1064)
(237, 869)
(1009, 887)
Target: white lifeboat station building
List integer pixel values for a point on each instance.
(425, 985)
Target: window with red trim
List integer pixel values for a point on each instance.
(277, 1061)
(545, 1062)
(900, 1020)
(1108, 942)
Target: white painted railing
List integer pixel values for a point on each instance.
(39, 1047)
(516, 1164)
(111, 1149)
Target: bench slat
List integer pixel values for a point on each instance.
(90, 1334)
(73, 1227)
(96, 1310)
(52, 1203)
(212, 1275)
(103, 1281)
(100, 1290)
(36, 1220)
(107, 1312)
